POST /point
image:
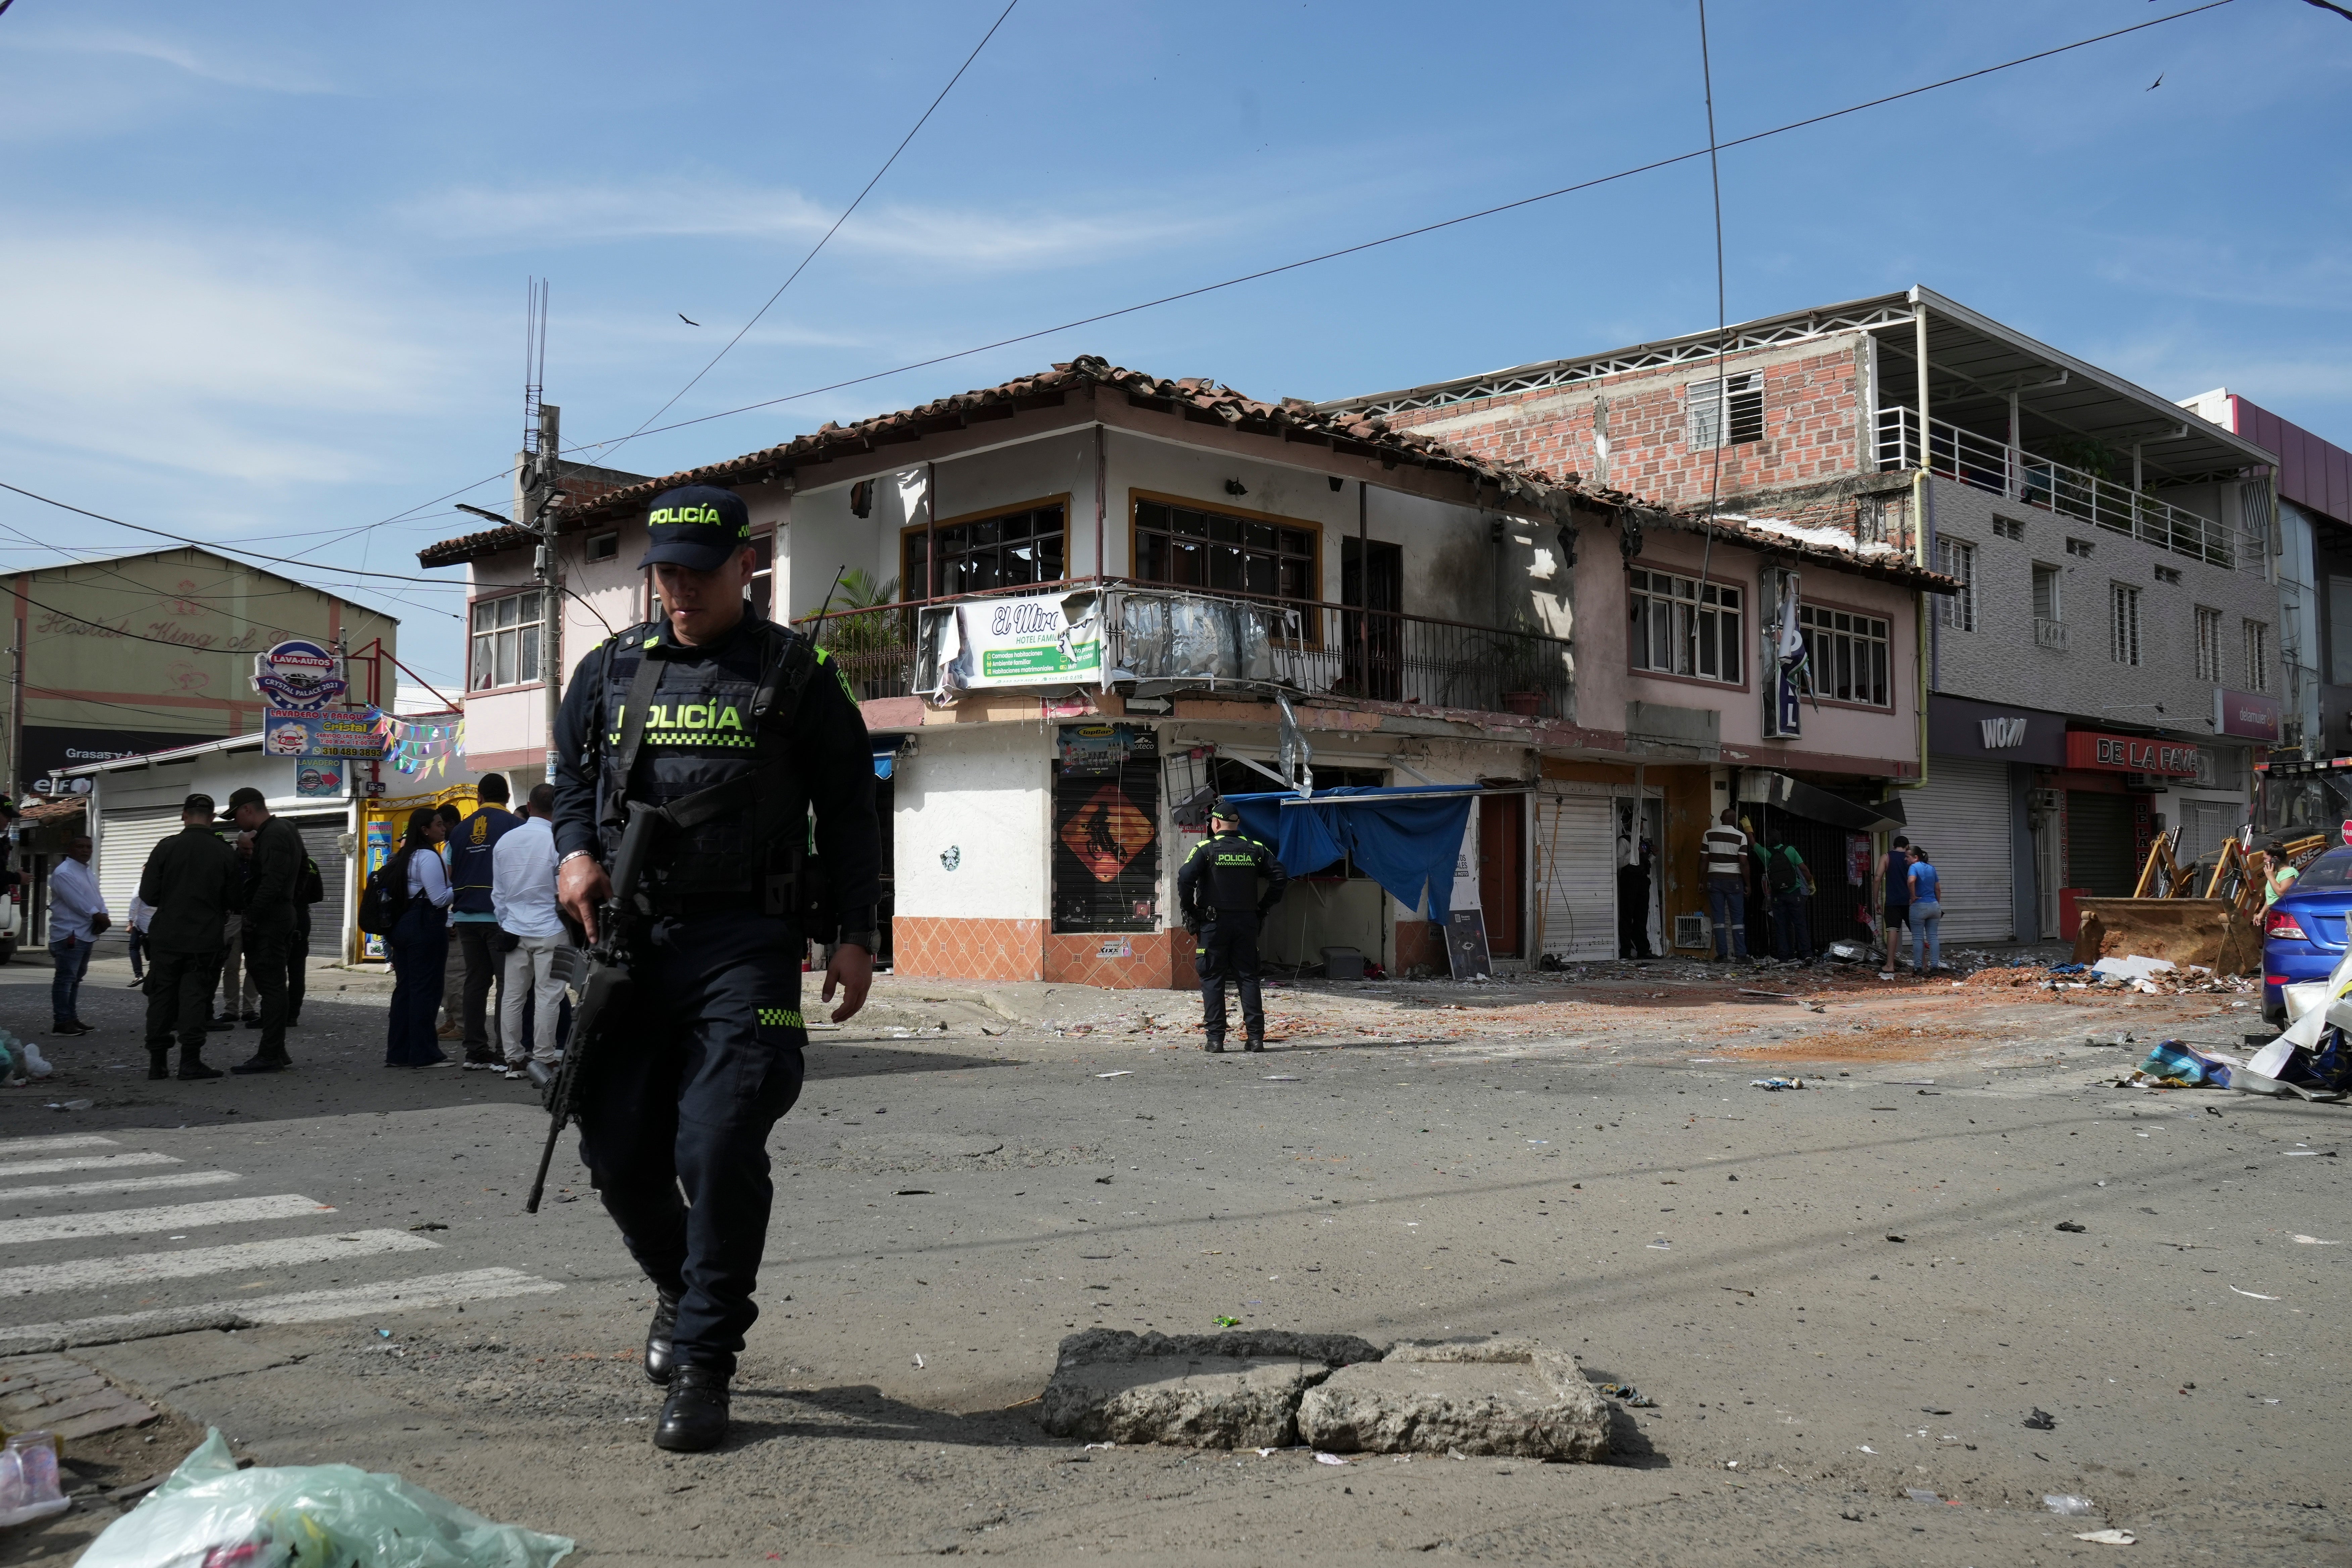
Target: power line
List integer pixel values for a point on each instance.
(254, 554)
(105, 563)
(828, 234)
(1428, 229)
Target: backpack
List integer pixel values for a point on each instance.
(385, 898)
(314, 887)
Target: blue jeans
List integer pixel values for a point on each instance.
(1926, 936)
(1727, 908)
(72, 956)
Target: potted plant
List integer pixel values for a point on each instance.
(1525, 667)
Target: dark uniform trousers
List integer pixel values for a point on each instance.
(298, 963)
(1228, 949)
(268, 945)
(179, 988)
(712, 1059)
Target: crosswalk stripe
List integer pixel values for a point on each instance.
(121, 1185)
(12, 1147)
(85, 1162)
(94, 1273)
(302, 1306)
(133, 1222)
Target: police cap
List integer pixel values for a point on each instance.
(1222, 811)
(699, 527)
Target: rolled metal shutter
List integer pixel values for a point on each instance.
(2099, 844)
(1576, 862)
(125, 840)
(2204, 824)
(1962, 820)
(322, 841)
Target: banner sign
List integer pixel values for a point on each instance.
(351, 734)
(1039, 639)
(2248, 713)
(320, 778)
(1786, 668)
(298, 675)
(2129, 754)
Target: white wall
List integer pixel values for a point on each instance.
(986, 792)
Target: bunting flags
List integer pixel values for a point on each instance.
(420, 751)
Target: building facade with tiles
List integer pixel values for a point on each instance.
(2107, 666)
(1393, 611)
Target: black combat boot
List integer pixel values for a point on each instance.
(1215, 1044)
(696, 1416)
(658, 1365)
(1254, 1043)
(263, 1064)
(192, 1065)
(159, 1061)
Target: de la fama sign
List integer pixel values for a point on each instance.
(2130, 755)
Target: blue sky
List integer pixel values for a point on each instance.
(264, 265)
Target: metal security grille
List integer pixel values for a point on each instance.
(2099, 858)
(1963, 819)
(322, 838)
(125, 839)
(1106, 848)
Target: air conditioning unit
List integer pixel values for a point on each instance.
(2046, 800)
(1691, 931)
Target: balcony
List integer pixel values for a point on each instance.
(2049, 634)
(2018, 475)
(1168, 636)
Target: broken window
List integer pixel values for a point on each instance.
(1680, 628)
(1009, 550)
(1706, 400)
(1188, 547)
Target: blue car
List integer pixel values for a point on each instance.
(2304, 932)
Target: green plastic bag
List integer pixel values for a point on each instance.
(210, 1514)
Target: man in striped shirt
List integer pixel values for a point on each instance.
(1725, 849)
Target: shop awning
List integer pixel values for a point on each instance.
(1762, 786)
(1409, 837)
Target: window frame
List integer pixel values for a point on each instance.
(1310, 606)
(764, 571)
(907, 593)
(2255, 637)
(2207, 646)
(2124, 633)
(2055, 576)
(1742, 421)
(1957, 611)
(1717, 586)
(1884, 639)
(525, 650)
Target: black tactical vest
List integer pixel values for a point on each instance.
(704, 727)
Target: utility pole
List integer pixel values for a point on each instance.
(544, 494)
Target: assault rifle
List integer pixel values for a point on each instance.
(597, 976)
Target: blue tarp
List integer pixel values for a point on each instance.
(1408, 838)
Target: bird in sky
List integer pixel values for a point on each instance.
(2157, 83)
(692, 323)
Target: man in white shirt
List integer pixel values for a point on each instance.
(1725, 850)
(77, 918)
(522, 897)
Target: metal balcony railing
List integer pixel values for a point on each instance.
(1310, 649)
(2049, 634)
(2019, 475)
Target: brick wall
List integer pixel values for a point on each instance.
(1815, 417)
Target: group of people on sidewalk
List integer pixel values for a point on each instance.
(479, 897)
(205, 907)
(1911, 897)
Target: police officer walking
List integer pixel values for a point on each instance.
(1223, 872)
(714, 700)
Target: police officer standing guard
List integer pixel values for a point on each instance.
(1226, 868)
(716, 701)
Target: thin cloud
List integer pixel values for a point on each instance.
(493, 219)
(259, 76)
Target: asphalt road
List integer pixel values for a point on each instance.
(1419, 1161)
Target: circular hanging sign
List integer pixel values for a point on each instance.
(297, 674)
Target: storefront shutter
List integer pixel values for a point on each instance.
(322, 838)
(2099, 845)
(1577, 870)
(1962, 819)
(125, 840)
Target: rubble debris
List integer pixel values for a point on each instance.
(1207, 1391)
(1499, 1397)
